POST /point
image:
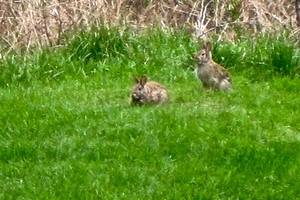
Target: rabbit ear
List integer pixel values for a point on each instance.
(136, 80)
(143, 80)
(208, 46)
(208, 50)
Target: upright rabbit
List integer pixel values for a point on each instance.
(212, 75)
(148, 92)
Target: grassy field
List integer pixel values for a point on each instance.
(68, 131)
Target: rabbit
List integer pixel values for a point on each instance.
(148, 92)
(212, 75)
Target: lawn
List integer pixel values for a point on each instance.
(69, 132)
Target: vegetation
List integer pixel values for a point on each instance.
(68, 132)
(28, 24)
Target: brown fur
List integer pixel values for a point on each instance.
(212, 75)
(148, 92)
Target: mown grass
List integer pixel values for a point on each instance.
(68, 131)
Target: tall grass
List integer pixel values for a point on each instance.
(38, 24)
(159, 53)
(261, 58)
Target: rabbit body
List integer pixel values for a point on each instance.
(212, 75)
(148, 92)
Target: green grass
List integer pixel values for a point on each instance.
(68, 132)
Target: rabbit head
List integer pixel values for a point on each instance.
(139, 92)
(204, 55)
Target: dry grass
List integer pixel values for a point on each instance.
(39, 23)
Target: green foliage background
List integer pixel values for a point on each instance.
(68, 132)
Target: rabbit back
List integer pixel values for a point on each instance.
(214, 76)
(157, 93)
